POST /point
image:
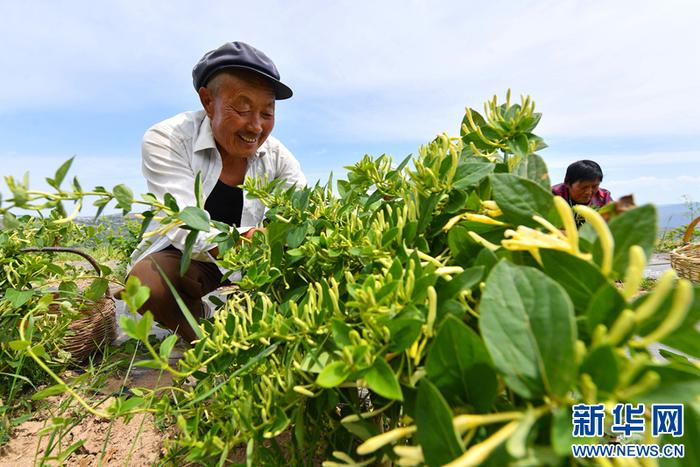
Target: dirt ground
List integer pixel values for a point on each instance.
(26, 448)
(136, 443)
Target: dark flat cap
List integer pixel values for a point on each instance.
(239, 55)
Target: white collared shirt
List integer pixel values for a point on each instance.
(175, 150)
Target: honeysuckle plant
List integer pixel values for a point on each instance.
(442, 311)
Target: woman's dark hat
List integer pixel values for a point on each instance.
(243, 56)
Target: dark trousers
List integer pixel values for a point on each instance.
(200, 279)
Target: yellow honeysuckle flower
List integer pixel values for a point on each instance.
(379, 441)
(532, 240)
(482, 241)
(607, 242)
(470, 216)
(567, 218)
(490, 208)
(478, 453)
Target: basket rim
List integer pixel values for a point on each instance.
(681, 249)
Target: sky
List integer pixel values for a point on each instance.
(617, 81)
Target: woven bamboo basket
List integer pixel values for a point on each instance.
(686, 259)
(97, 324)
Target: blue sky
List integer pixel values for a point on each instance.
(616, 81)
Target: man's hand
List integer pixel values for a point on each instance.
(247, 234)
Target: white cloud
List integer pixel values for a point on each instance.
(658, 190)
(596, 67)
(375, 72)
(631, 161)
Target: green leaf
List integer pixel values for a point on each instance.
(691, 435)
(457, 202)
(520, 199)
(333, 375)
(580, 279)
(9, 221)
(436, 433)
(602, 365)
(276, 237)
(39, 351)
(425, 211)
(296, 235)
(389, 235)
(561, 434)
(128, 325)
(634, 227)
(153, 364)
(604, 307)
(66, 453)
(469, 174)
(459, 365)
(17, 298)
(315, 361)
(362, 429)
(519, 146)
(19, 345)
(124, 196)
(170, 202)
(341, 332)
(130, 404)
(462, 246)
(465, 280)
(686, 338)
(181, 304)
(50, 391)
(280, 422)
(678, 384)
(382, 380)
(134, 294)
(187, 251)
(143, 327)
(61, 172)
(166, 347)
(533, 168)
(404, 329)
(195, 218)
(199, 200)
(528, 324)
(486, 259)
(97, 289)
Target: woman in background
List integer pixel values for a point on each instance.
(582, 186)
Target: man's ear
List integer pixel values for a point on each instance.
(207, 100)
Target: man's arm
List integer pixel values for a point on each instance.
(166, 167)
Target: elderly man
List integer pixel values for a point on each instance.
(226, 141)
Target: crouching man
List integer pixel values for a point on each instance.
(226, 141)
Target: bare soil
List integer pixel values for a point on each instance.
(109, 443)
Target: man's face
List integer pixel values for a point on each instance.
(242, 114)
(582, 191)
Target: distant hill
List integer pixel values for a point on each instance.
(671, 216)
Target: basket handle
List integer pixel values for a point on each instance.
(690, 229)
(62, 249)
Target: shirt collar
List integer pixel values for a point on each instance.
(205, 138)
